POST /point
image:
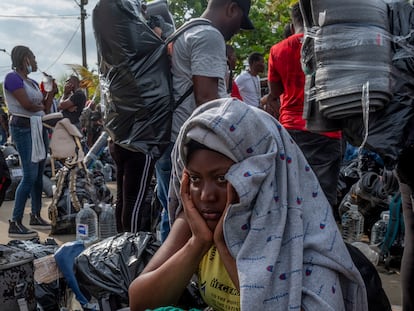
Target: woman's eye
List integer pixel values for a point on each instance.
(194, 179)
(221, 179)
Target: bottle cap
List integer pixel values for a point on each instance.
(385, 215)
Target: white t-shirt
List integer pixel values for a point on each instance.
(200, 51)
(249, 87)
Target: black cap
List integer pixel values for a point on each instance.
(246, 23)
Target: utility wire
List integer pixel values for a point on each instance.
(41, 16)
(64, 50)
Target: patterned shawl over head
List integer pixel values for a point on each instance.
(289, 252)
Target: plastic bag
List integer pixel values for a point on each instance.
(108, 267)
(135, 77)
(377, 298)
(387, 127)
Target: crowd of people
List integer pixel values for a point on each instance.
(248, 194)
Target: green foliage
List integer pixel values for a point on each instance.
(268, 16)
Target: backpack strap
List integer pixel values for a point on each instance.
(394, 223)
(52, 210)
(170, 40)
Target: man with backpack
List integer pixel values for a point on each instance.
(199, 64)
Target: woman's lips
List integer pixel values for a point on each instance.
(210, 215)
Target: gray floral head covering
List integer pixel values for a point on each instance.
(289, 252)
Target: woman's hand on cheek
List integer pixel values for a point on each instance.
(200, 231)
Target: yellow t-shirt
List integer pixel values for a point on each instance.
(215, 284)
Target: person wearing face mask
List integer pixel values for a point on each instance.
(27, 105)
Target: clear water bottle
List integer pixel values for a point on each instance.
(87, 224)
(96, 149)
(107, 223)
(352, 224)
(107, 171)
(47, 82)
(371, 254)
(379, 229)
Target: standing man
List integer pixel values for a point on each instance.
(287, 80)
(232, 87)
(249, 81)
(73, 101)
(199, 60)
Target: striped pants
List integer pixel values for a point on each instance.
(133, 176)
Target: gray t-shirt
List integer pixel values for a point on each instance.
(200, 51)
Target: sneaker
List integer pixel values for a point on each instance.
(17, 230)
(38, 222)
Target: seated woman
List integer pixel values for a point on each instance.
(251, 219)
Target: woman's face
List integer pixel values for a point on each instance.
(31, 60)
(208, 187)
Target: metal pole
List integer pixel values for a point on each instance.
(83, 16)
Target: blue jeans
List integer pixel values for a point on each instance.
(32, 182)
(163, 169)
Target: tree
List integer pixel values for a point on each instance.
(268, 16)
(89, 80)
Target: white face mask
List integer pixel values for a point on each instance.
(29, 68)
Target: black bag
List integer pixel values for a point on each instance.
(377, 298)
(134, 67)
(388, 127)
(74, 187)
(49, 296)
(106, 269)
(16, 279)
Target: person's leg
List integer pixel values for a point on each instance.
(407, 263)
(116, 155)
(23, 141)
(163, 172)
(324, 155)
(36, 221)
(138, 171)
(37, 189)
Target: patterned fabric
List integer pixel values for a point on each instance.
(288, 249)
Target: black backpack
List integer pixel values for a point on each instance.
(134, 68)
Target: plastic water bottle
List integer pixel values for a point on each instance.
(379, 229)
(107, 171)
(352, 224)
(107, 224)
(96, 149)
(47, 82)
(87, 224)
(371, 254)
